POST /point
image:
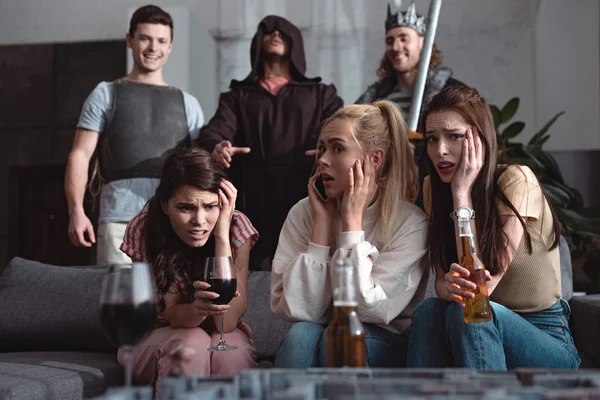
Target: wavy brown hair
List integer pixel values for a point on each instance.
(168, 254)
(386, 69)
(441, 249)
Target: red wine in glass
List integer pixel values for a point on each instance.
(128, 324)
(128, 307)
(225, 288)
(219, 272)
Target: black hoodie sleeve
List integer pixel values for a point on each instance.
(222, 126)
(331, 102)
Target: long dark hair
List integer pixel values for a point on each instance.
(492, 240)
(169, 256)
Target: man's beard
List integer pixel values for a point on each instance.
(403, 69)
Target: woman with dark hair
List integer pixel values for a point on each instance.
(192, 217)
(518, 235)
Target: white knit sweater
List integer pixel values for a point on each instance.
(386, 279)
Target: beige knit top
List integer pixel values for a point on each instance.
(532, 281)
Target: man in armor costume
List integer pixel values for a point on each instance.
(134, 122)
(397, 72)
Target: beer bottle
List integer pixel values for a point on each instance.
(345, 339)
(478, 308)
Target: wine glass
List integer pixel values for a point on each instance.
(128, 307)
(219, 273)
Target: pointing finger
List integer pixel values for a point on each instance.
(239, 150)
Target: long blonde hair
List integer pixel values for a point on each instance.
(381, 125)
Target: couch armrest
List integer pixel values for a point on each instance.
(585, 326)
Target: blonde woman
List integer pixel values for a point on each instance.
(371, 181)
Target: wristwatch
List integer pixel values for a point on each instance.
(463, 212)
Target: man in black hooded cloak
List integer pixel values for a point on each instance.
(263, 128)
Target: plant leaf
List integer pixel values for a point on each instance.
(527, 161)
(558, 196)
(510, 109)
(545, 128)
(590, 212)
(538, 167)
(577, 223)
(496, 115)
(537, 146)
(513, 130)
(575, 201)
(552, 168)
(538, 139)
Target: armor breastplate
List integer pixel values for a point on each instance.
(147, 122)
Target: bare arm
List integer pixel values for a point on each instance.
(76, 176)
(190, 315)
(222, 233)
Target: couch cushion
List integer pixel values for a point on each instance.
(47, 307)
(56, 308)
(57, 375)
(566, 270)
(268, 330)
(585, 326)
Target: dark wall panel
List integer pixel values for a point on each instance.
(26, 85)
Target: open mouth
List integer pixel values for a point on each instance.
(198, 234)
(151, 57)
(327, 180)
(445, 167)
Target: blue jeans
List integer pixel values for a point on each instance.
(440, 338)
(304, 346)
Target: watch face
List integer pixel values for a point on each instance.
(463, 212)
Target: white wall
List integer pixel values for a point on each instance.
(544, 51)
(567, 50)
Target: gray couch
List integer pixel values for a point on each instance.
(51, 343)
(52, 347)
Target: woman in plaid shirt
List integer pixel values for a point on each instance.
(191, 217)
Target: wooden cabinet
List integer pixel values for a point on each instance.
(39, 221)
(44, 88)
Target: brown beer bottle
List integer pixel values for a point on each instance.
(478, 308)
(345, 339)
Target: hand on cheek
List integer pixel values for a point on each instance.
(358, 194)
(470, 165)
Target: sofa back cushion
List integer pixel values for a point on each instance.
(49, 307)
(268, 330)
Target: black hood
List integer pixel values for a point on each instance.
(297, 58)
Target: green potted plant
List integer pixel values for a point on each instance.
(580, 225)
